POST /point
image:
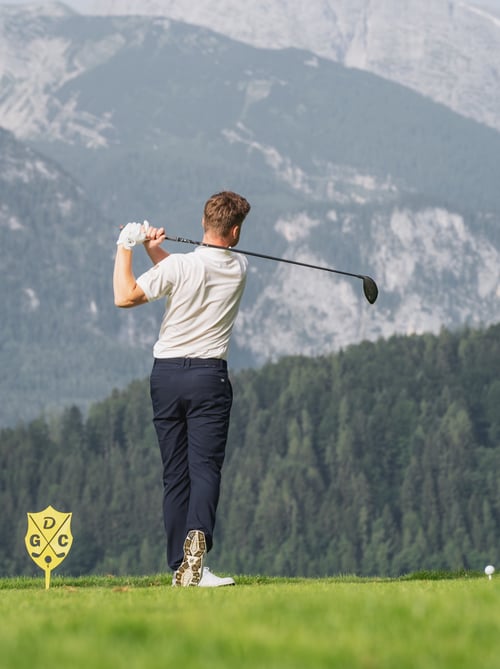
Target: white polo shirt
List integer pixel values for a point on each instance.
(203, 290)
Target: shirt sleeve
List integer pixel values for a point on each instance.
(158, 281)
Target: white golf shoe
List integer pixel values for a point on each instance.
(210, 580)
(191, 570)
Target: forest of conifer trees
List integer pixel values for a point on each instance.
(382, 459)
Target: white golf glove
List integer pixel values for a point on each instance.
(132, 234)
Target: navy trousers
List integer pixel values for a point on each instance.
(192, 400)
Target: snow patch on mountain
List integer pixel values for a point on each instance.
(33, 300)
(297, 227)
(24, 170)
(8, 220)
(485, 14)
(256, 90)
(34, 9)
(282, 166)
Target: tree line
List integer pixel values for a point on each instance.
(381, 459)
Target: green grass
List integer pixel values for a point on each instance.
(425, 620)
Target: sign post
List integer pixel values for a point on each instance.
(48, 539)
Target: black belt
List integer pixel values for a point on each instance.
(218, 363)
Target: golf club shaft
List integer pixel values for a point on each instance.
(262, 255)
(370, 288)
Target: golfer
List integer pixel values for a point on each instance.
(190, 389)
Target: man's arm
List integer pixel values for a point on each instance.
(127, 292)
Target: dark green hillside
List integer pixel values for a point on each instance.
(382, 459)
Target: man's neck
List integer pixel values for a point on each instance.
(215, 240)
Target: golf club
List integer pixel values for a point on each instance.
(58, 555)
(369, 286)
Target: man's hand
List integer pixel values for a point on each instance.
(154, 238)
(132, 234)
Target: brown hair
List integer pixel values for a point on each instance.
(224, 210)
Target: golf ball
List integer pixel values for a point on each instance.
(489, 570)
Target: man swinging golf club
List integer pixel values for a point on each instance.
(190, 389)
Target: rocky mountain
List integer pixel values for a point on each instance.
(448, 50)
(144, 117)
(60, 339)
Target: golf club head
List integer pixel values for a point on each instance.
(370, 289)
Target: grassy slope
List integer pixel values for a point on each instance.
(265, 623)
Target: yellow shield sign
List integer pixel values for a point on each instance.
(48, 539)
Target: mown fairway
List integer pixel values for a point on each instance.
(109, 623)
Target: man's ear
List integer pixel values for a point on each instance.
(235, 233)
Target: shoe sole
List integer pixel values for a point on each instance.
(191, 569)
